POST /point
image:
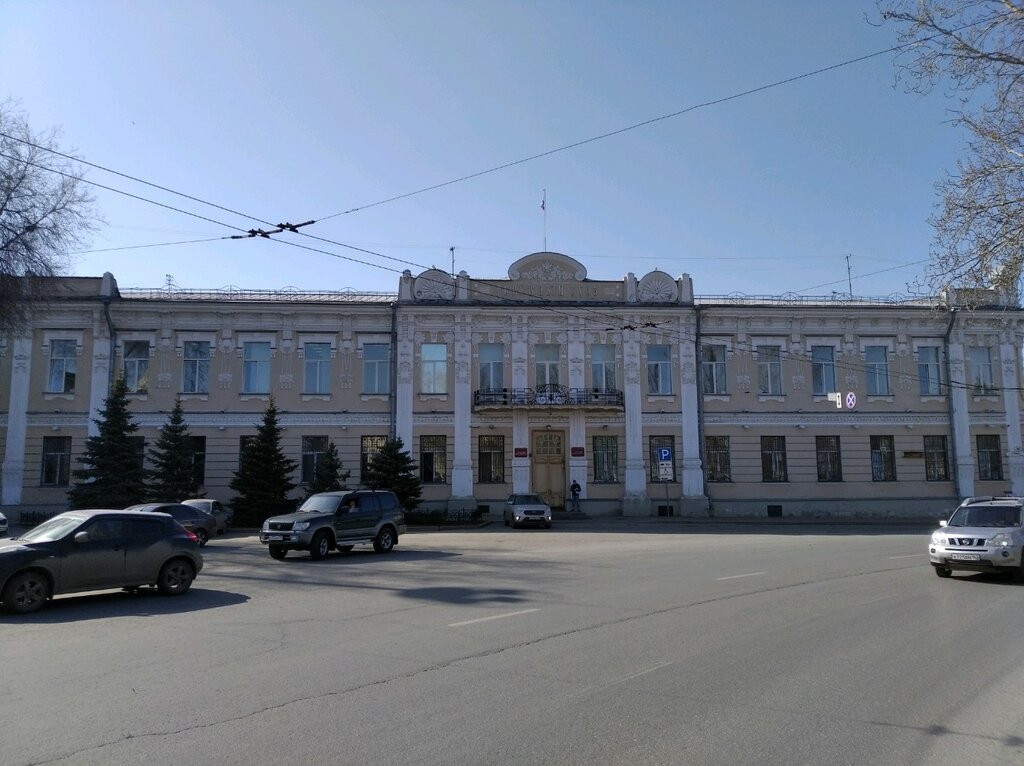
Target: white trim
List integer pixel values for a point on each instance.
(78, 336)
(181, 338)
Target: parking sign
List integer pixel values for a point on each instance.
(664, 454)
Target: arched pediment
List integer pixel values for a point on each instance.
(658, 287)
(434, 285)
(547, 267)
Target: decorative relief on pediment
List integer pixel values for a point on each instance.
(547, 267)
(434, 285)
(658, 287)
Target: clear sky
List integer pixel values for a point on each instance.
(298, 110)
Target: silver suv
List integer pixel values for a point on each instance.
(985, 534)
(337, 520)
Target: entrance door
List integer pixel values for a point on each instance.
(548, 466)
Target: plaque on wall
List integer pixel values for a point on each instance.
(522, 452)
(577, 451)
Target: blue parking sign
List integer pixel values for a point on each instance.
(664, 454)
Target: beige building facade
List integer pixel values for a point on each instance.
(656, 401)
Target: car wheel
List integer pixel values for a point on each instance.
(26, 592)
(203, 536)
(943, 571)
(385, 540)
(321, 546)
(278, 552)
(345, 548)
(175, 577)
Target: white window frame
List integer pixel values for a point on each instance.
(433, 372)
(663, 368)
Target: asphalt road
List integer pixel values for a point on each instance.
(591, 643)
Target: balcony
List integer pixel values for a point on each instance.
(549, 396)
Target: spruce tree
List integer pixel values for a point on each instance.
(327, 473)
(394, 469)
(112, 475)
(172, 478)
(263, 479)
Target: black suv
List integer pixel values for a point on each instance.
(337, 520)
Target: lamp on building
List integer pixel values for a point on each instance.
(222, 428)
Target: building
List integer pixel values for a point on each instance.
(656, 401)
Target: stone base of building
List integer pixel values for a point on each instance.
(637, 505)
(887, 509)
(461, 507)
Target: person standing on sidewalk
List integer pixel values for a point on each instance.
(574, 491)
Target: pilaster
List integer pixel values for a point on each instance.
(13, 470)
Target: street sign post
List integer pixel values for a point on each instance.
(665, 472)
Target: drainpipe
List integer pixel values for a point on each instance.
(949, 397)
(113, 342)
(700, 414)
(393, 372)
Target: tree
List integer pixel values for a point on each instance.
(327, 473)
(45, 214)
(263, 479)
(113, 476)
(172, 477)
(976, 49)
(394, 469)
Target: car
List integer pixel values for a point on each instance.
(3, 525)
(984, 534)
(215, 508)
(89, 550)
(526, 508)
(341, 520)
(202, 524)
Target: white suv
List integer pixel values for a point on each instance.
(985, 534)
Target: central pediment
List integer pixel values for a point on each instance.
(547, 267)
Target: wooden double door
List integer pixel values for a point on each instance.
(547, 466)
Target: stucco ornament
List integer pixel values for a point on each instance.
(434, 285)
(547, 267)
(658, 287)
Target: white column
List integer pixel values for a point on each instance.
(634, 501)
(462, 465)
(102, 364)
(694, 499)
(404, 378)
(961, 424)
(577, 418)
(520, 420)
(17, 421)
(1011, 403)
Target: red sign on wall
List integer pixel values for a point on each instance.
(522, 452)
(578, 451)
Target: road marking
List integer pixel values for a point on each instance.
(492, 617)
(909, 556)
(736, 577)
(616, 681)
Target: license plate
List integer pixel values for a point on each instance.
(965, 556)
(276, 537)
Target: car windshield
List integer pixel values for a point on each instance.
(51, 530)
(323, 504)
(529, 500)
(986, 516)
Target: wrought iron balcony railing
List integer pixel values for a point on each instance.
(548, 395)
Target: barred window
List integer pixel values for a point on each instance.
(244, 442)
(314, 448)
(883, 459)
(139, 445)
(773, 459)
(368, 447)
(433, 459)
(936, 459)
(716, 456)
(990, 458)
(659, 443)
(491, 459)
(606, 459)
(830, 463)
(56, 469)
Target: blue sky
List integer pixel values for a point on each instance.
(303, 110)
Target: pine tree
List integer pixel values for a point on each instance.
(173, 478)
(327, 473)
(112, 475)
(263, 479)
(394, 469)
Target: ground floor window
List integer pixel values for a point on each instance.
(990, 458)
(491, 459)
(198, 444)
(314, 448)
(883, 459)
(56, 461)
(830, 463)
(773, 459)
(368, 447)
(433, 459)
(658, 446)
(716, 455)
(606, 459)
(936, 459)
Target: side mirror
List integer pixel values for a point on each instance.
(81, 537)
(942, 523)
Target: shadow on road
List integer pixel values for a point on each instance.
(145, 603)
(462, 595)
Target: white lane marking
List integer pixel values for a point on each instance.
(492, 617)
(909, 556)
(736, 577)
(617, 681)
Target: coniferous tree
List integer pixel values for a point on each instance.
(327, 473)
(393, 468)
(263, 479)
(113, 475)
(173, 478)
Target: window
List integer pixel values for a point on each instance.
(56, 461)
(716, 456)
(936, 459)
(769, 371)
(492, 373)
(659, 443)
(136, 366)
(256, 367)
(491, 459)
(316, 368)
(434, 368)
(659, 370)
(195, 369)
(376, 376)
(433, 459)
(877, 360)
(990, 458)
(928, 370)
(883, 459)
(368, 447)
(823, 370)
(773, 458)
(606, 459)
(314, 448)
(602, 367)
(547, 364)
(63, 357)
(139, 445)
(830, 463)
(198, 445)
(712, 364)
(244, 442)
(981, 372)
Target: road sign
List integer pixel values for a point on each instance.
(665, 467)
(851, 400)
(664, 454)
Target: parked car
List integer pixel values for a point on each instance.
(3, 525)
(526, 509)
(337, 520)
(94, 550)
(200, 523)
(223, 516)
(984, 534)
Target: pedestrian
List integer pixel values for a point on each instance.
(574, 491)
